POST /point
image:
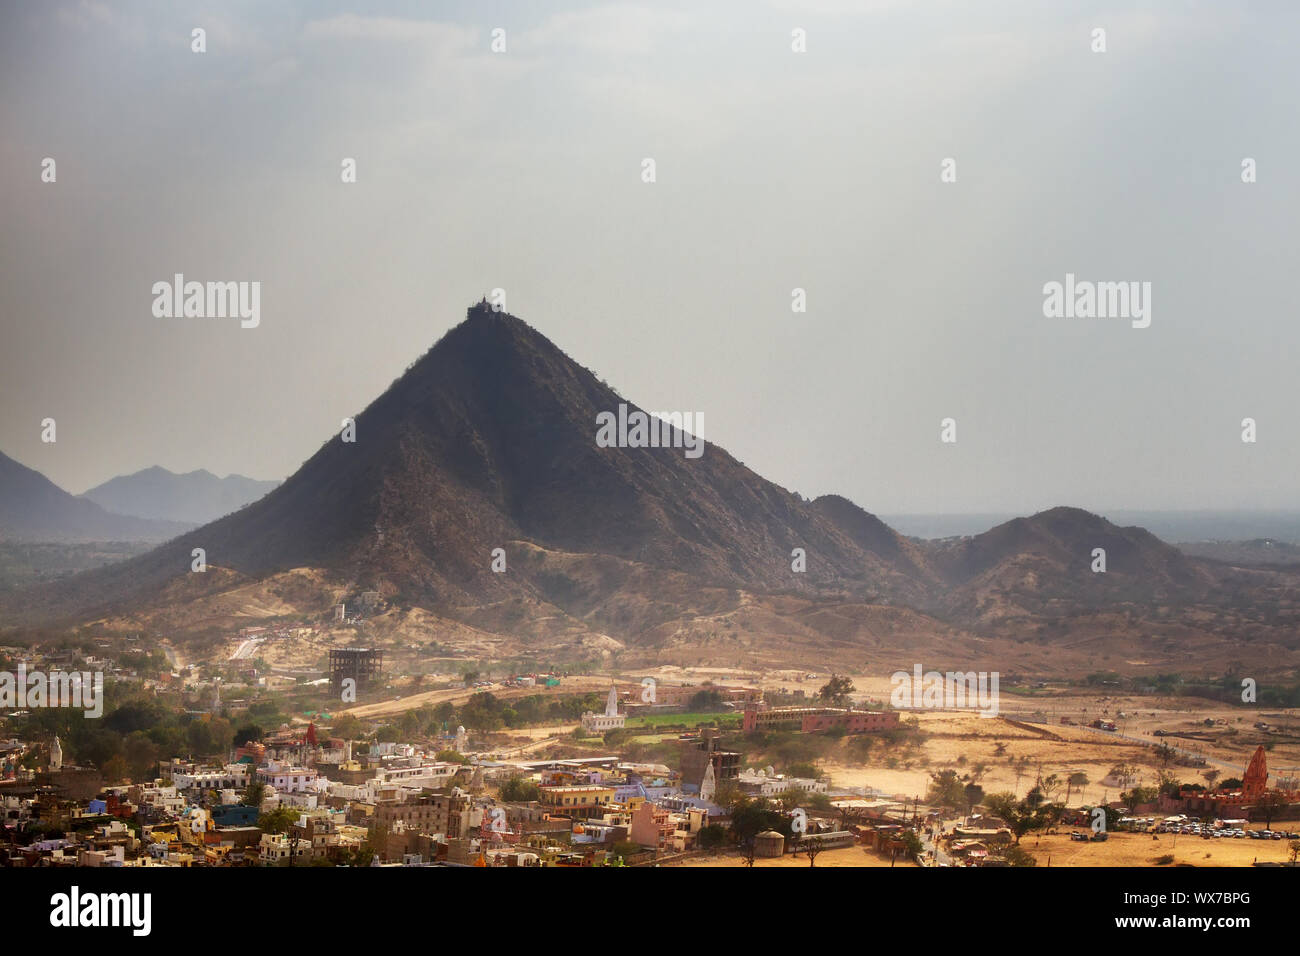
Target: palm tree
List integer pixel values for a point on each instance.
(1077, 779)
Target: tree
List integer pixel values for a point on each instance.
(277, 821)
(1051, 786)
(792, 797)
(115, 769)
(752, 817)
(729, 795)
(253, 794)
(1139, 795)
(1269, 805)
(347, 727)
(1021, 816)
(1077, 779)
(1019, 765)
(712, 836)
(746, 847)
(836, 691)
(247, 734)
(705, 701)
(141, 755)
(518, 788)
(946, 790)
(1123, 772)
(1018, 856)
(809, 844)
(974, 795)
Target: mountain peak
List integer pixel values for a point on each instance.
(33, 508)
(193, 497)
(489, 438)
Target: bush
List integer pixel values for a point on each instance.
(518, 789)
(712, 837)
(626, 848)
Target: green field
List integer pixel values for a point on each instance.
(726, 720)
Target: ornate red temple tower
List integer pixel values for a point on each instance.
(1255, 783)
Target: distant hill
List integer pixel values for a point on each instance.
(1042, 566)
(1258, 552)
(33, 508)
(196, 497)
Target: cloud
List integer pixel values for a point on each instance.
(85, 14)
(444, 38)
(620, 30)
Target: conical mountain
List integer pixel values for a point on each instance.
(489, 441)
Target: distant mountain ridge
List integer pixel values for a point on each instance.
(33, 508)
(196, 497)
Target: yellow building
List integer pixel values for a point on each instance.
(579, 802)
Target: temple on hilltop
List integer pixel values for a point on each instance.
(482, 305)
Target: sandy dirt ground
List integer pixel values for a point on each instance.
(1138, 849)
(963, 740)
(964, 743)
(1122, 849)
(848, 856)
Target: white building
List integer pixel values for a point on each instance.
(233, 776)
(287, 779)
(435, 776)
(769, 783)
(593, 723)
(164, 798)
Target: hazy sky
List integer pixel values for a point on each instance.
(775, 170)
